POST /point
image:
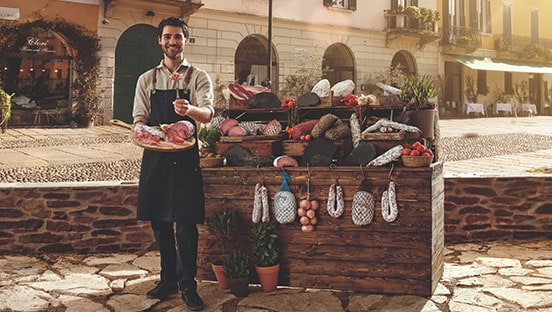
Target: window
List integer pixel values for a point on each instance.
(508, 86)
(482, 82)
(484, 10)
(341, 4)
(534, 26)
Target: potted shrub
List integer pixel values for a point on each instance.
(267, 254)
(5, 109)
(416, 93)
(222, 225)
(236, 270)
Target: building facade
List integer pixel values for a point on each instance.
(496, 51)
(343, 39)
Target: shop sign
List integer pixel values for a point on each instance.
(11, 14)
(34, 44)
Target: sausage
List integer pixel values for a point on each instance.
(355, 129)
(363, 208)
(257, 204)
(390, 211)
(393, 154)
(264, 200)
(336, 203)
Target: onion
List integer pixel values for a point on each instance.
(314, 204)
(304, 203)
(311, 214)
(304, 221)
(313, 220)
(307, 228)
(301, 212)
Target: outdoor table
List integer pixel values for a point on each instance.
(503, 107)
(475, 108)
(531, 109)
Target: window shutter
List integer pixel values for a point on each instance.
(474, 17)
(328, 2)
(352, 5)
(488, 17)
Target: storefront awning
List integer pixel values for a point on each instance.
(487, 63)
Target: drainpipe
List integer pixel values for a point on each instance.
(270, 43)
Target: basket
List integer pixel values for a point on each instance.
(211, 162)
(416, 161)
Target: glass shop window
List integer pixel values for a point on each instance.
(36, 68)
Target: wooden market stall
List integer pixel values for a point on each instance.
(400, 257)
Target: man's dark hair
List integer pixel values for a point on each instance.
(172, 21)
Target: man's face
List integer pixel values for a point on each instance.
(172, 42)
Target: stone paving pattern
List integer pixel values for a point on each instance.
(493, 276)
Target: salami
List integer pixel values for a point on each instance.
(355, 129)
(393, 154)
(336, 203)
(386, 124)
(390, 211)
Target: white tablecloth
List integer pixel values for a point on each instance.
(530, 108)
(475, 108)
(503, 107)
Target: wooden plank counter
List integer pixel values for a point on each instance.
(402, 257)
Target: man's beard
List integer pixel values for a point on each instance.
(168, 54)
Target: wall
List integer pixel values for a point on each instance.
(100, 217)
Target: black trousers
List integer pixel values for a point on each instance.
(178, 252)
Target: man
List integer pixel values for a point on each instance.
(171, 186)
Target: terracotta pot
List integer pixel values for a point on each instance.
(268, 276)
(422, 119)
(239, 287)
(219, 274)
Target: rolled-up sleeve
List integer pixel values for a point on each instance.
(203, 95)
(141, 107)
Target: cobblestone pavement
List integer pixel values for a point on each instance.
(495, 276)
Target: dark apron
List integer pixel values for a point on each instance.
(171, 184)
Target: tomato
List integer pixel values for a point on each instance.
(420, 148)
(425, 154)
(308, 137)
(415, 144)
(427, 150)
(415, 153)
(406, 151)
(302, 138)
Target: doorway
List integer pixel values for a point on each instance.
(137, 51)
(453, 89)
(338, 64)
(251, 63)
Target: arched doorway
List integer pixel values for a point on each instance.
(405, 61)
(251, 62)
(137, 51)
(338, 63)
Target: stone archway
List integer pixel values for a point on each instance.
(405, 61)
(251, 62)
(338, 63)
(137, 51)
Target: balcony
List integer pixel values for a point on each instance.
(401, 25)
(464, 37)
(523, 47)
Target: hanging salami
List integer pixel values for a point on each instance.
(285, 207)
(363, 204)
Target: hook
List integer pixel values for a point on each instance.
(260, 173)
(332, 169)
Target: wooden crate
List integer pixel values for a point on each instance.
(296, 148)
(402, 257)
(236, 104)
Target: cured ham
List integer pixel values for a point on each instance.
(179, 132)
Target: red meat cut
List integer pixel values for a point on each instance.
(180, 131)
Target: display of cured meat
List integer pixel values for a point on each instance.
(274, 127)
(178, 132)
(227, 124)
(240, 92)
(148, 135)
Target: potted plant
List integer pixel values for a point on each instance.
(267, 254)
(208, 136)
(5, 109)
(222, 225)
(236, 270)
(417, 92)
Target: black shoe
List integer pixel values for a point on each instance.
(192, 299)
(163, 290)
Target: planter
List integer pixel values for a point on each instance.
(219, 274)
(268, 276)
(422, 119)
(239, 287)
